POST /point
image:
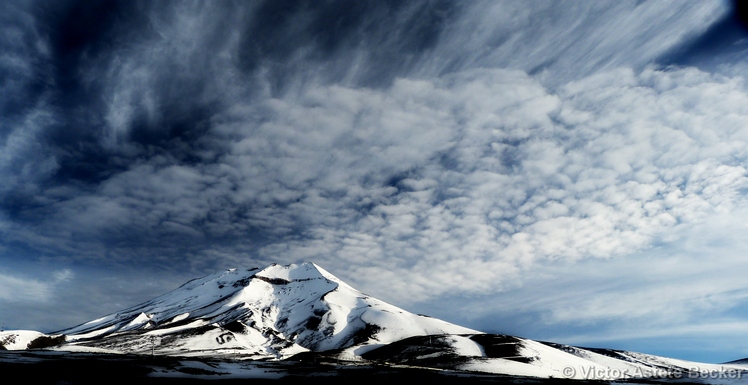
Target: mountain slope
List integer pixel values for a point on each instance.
(509, 355)
(273, 312)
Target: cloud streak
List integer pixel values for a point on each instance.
(15, 288)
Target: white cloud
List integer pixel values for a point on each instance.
(604, 168)
(693, 285)
(63, 275)
(464, 183)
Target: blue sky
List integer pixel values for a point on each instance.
(565, 171)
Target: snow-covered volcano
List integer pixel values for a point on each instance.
(281, 311)
(272, 312)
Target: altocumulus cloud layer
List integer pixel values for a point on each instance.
(415, 149)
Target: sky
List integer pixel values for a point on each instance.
(568, 171)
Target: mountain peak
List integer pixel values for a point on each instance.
(295, 272)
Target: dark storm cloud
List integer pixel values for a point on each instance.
(25, 82)
(122, 85)
(155, 71)
(112, 91)
(104, 83)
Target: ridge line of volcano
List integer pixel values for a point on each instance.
(281, 281)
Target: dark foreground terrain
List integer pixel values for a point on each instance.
(43, 367)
